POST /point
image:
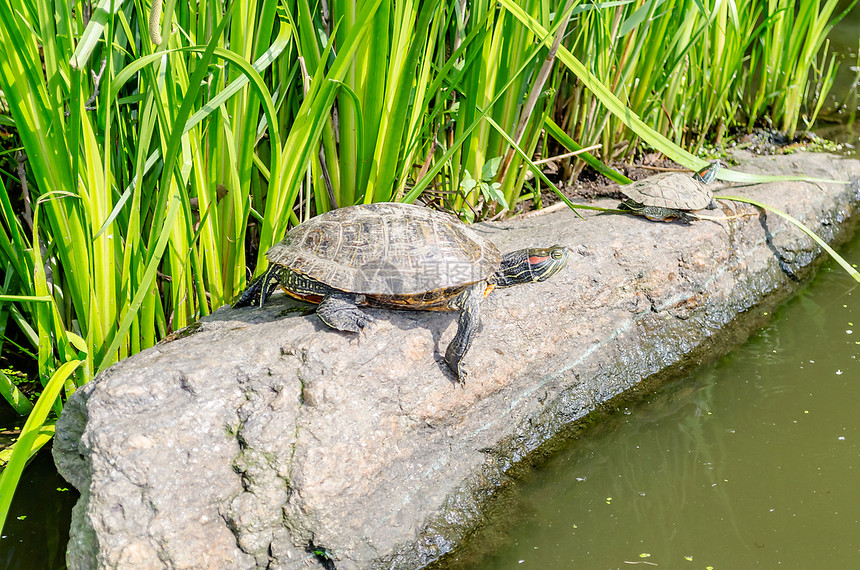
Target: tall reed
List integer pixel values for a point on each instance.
(693, 70)
(789, 81)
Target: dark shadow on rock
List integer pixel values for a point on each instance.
(281, 306)
(277, 306)
(784, 263)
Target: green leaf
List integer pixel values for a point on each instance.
(93, 32)
(635, 20)
(490, 168)
(558, 134)
(467, 184)
(492, 193)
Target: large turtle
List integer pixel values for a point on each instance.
(397, 256)
(671, 195)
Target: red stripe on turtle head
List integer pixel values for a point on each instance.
(536, 259)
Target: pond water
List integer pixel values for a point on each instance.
(37, 528)
(752, 461)
(845, 42)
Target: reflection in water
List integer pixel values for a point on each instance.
(751, 461)
(37, 528)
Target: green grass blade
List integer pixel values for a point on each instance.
(13, 395)
(44, 436)
(539, 173)
(93, 32)
(38, 298)
(145, 282)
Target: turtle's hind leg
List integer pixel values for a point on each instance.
(469, 303)
(259, 290)
(340, 311)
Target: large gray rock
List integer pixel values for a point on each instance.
(261, 434)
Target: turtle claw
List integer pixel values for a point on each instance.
(462, 374)
(455, 366)
(365, 323)
(367, 328)
(458, 373)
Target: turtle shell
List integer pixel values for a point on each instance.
(670, 190)
(387, 248)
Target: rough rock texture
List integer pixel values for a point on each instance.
(262, 435)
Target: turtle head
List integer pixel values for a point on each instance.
(546, 262)
(709, 173)
(530, 265)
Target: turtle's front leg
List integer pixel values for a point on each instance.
(469, 303)
(340, 311)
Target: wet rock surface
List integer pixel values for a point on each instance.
(263, 439)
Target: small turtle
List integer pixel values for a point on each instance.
(396, 256)
(671, 195)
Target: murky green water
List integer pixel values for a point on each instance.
(753, 461)
(845, 41)
(37, 528)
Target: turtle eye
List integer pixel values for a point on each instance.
(557, 254)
